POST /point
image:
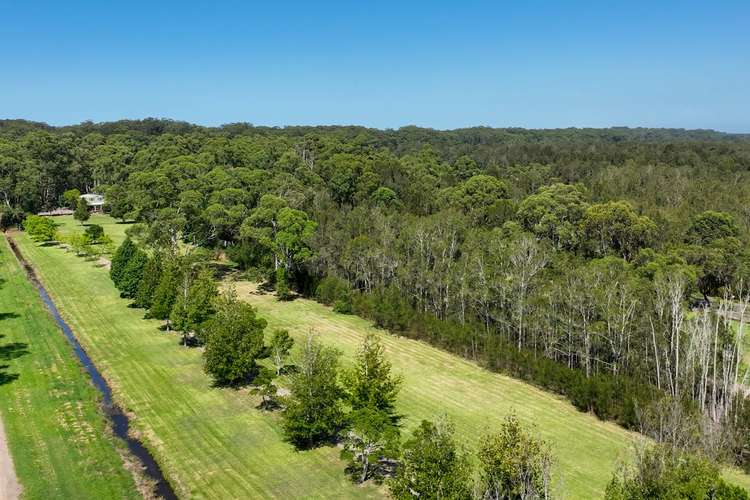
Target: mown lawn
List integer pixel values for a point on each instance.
(56, 434)
(211, 443)
(586, 449)
(113, 228)
(214, 443)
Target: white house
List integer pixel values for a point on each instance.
(94, 201)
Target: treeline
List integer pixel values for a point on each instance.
(326, 404)
(596, 263)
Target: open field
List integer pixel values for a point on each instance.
(56, 435)
(214, 443)
(112, 227)
(586, 449)
(211, 443)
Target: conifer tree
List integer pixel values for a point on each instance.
(514, 464)
(81, 213)
(144, 297)
(432, 465)
(166, 291)
(234, 342)
(132, 274)
(370, 383)
(194, 302)
(313, 413)
(203, 293)
(120, 261)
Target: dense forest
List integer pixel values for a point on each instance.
(608, 265)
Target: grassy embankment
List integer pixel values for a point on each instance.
(56, 434)
(211, 443)
(214, 442)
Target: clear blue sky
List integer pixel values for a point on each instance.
(383, 64)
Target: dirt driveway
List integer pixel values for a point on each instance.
(10, 489)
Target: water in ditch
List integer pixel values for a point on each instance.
(118, 419)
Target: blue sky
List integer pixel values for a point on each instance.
(383, 64)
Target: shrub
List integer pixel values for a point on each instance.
(40, 228)
(94, 233)
(332, 289)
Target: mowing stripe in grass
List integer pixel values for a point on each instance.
(211, 443)
(56, 434)
(586, 449)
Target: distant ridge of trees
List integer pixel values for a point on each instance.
(481, 133)
(597, 263)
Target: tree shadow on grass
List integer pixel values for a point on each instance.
(6, 378)
(10, 315)
(8, 352)
(222, 270)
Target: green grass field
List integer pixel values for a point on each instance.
(112, 227)
(56, 435)
(211, 443)
(214, 443)
(586, 449)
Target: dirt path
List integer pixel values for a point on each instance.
(10, 489)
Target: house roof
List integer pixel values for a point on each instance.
(93, 199)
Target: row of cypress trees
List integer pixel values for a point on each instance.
(177, 288)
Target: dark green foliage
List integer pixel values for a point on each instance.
(384, 197)
(250, 255)
(432, 466)
(283, 292)
(150, 281)
(132, 275)
(193, 302)
(117, 203)
(120, 259)
(166, 291)
(81, 213)
(660, 472)
(370, 383)
(390, 309)
(313, 412)
(485, 242)
(234, 342)
(482, 197)
(331, 289)
(94, 233)
(335, 292)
